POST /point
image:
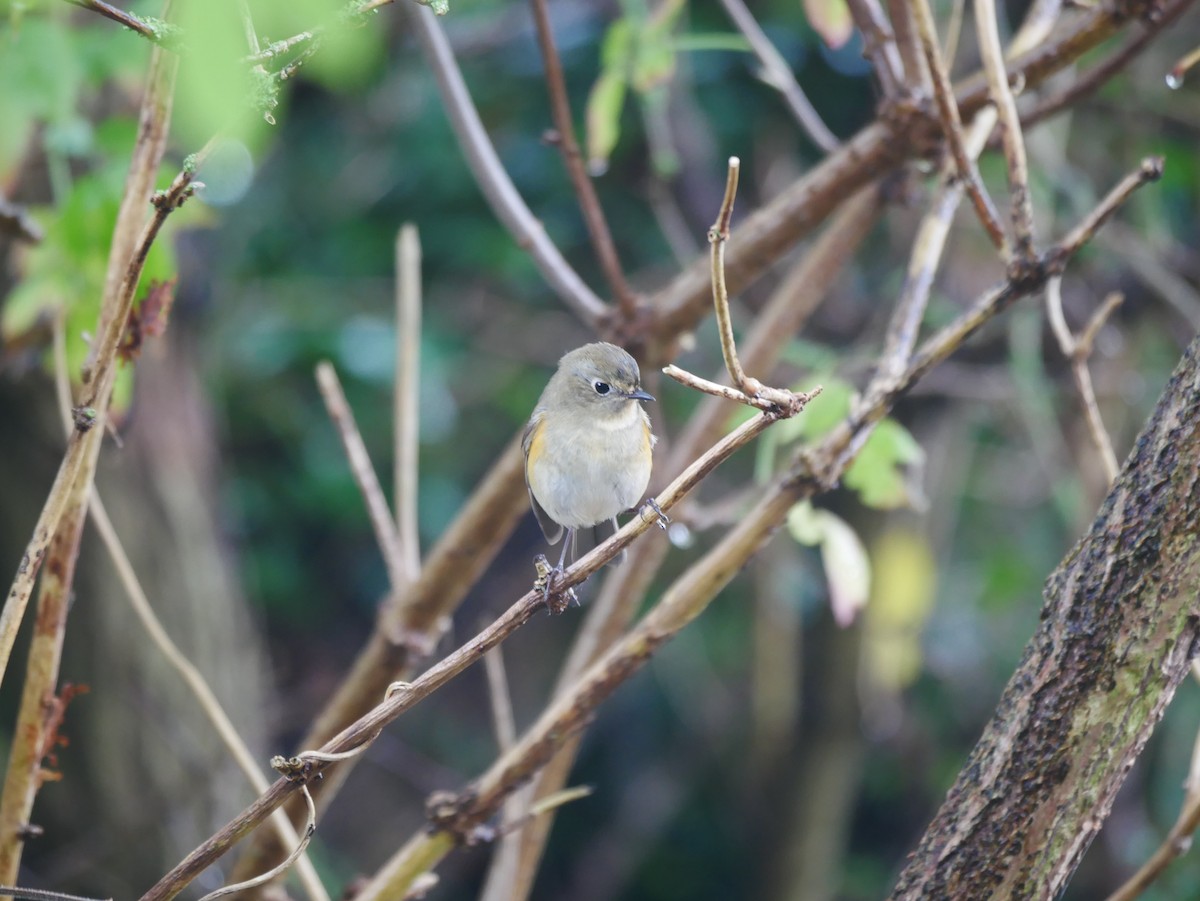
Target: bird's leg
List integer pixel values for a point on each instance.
(556, 600)
(663, 519)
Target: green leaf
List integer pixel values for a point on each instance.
(881, 474)
(654, 58)
(604, 106)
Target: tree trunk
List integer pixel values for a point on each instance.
(1118, 631)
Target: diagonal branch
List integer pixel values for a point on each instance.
(404, 696)
(778, 74)
(1010, 127)
(943, 93)
(589, 203)
(489, 173)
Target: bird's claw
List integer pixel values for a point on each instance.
(556, 600)
(663, 519)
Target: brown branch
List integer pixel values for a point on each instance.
(407, 695)
(409, 625)
(947, 105)
(1151, 169)
(926, 256)
(750, 390)
(130, 21)
(1080, 707)
(585, 191)
(124, 270)
(1086, 84)
(916, 69)
(879, 46)
(777, 73)
(460, 816)
(876, 151)
(1010, 128)
(1039, 22)
(485, 165)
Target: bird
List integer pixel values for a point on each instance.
(588, 447)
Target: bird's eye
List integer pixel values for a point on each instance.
(602, 388)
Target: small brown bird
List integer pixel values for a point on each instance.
(588, 447)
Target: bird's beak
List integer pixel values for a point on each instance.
(640, 395)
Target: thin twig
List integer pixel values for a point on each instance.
(37, 894)
(16, 222)
(489, 173)
(878, 150)
(1096, 77)
(130, 21)
(1181, 68)
(953, 33)
(778, 74)
(518, 810)
(947, 106)
(753, 400)
(1176, 844)
(364, 473)
(992, 55)
(310, 827)
(503, 721)
(1039, 22)
(916, 69)
(248, 27)
(927, 249)
(585, 191)
(718, 235)
(124, 272)
(1077, 351)
(406, 400)
(1151, 169)
(879, 46)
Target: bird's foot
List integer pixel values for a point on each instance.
(556, 599)
(663, 519)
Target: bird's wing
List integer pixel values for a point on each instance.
(531, 443)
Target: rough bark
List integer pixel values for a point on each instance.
(1118, 630)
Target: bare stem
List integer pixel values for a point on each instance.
(1010, 127)
(916, 71)
(926, 256)
(130, 21)
(489, 173)
(778, 74)
(407, 400)
(1077, 351)
(717, 236)
(585, 191)
(363, 472)
(947, 106)
(124, 272)
(879, 46)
